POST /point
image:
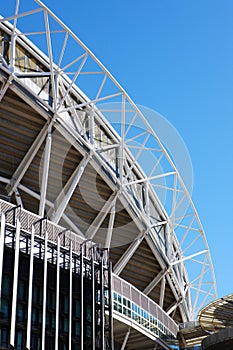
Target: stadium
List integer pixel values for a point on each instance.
(101, 246)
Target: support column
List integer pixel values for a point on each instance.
(91, 128)
(146, 201)
(162, 291)
(110, 226)
(18, 198)
(45, 173)
(12, 52)
(168, 240)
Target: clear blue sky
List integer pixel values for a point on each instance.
(176, 57)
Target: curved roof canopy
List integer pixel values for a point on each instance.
(113, 145)
(217, 315)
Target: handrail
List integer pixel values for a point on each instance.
(138, 307)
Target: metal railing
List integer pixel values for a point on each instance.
(127, 300)
(140, 309)
(28, 219)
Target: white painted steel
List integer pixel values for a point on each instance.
(30, 283)
(45, 260)
(45, 171)
(193, 292)
(2, 239)
(57, 294)
(30, 231)
(70, 297)
(23, 166)
(15, 284)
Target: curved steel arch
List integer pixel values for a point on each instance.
(77, 83)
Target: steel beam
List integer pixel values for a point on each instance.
(18, 198)
(162, 291)
(50, 204)
(67, 192)
(91, 127)
(23, 166)
(150, 178)
(122, 262)
(168, 240)
(110, 227)
(173, 306)
(45, 173)
(155, 281)
(125, 339)
(146, 201)
(188, 257)
(72, 225)
(88, 103)
(96, 223)
(74, 78)
(163, 344)
(5, 87)
(49, 47)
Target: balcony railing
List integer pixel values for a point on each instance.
(128, 301)
(135, 306)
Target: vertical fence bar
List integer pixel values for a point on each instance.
(2, 239)
(57, 294)
(70, 298)
(44, 291)
(102, 301)
(15, 284)
(81, 298)
(110, 304)
(30, 287)
(93, 296)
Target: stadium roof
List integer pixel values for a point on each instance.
(98, 170)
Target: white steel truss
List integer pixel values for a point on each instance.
(69, 91)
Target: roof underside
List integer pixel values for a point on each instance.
(19, 126)
(64, 156)
(217, 315)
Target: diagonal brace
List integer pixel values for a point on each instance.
(95, 225)
(24, 165)
(67, 192)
